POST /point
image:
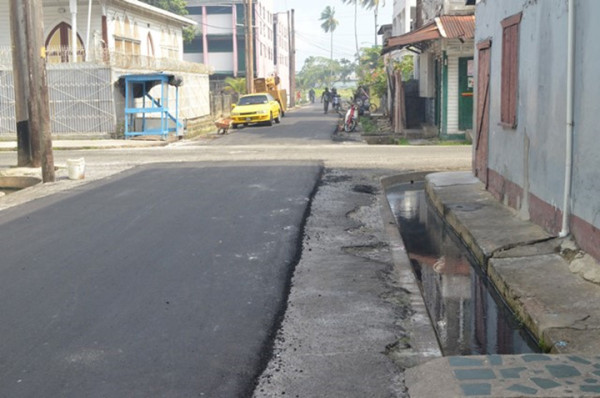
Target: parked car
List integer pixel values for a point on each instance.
(255, 108)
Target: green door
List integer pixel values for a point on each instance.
(465, 93)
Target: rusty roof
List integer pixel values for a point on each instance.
(425, 33)
(446, 26)
(456, 26)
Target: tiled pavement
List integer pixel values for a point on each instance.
(525, 375)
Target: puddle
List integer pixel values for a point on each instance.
(469, 317)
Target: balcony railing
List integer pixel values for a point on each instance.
(58, 57)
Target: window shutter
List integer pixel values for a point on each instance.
(510, 70)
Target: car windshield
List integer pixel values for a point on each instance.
(253, 100)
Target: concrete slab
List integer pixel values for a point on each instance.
(546, 295)
(484, 224)
(92, 144)
(452, 178)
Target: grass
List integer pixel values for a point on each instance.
(368, 125)
(453, 142)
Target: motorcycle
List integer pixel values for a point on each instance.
(364, 105)
(351, 119)
(337, 103)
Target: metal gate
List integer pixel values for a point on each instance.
(81, 100)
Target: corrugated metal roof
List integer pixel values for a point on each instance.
(427, 32)
(446, 26)
(457, 26)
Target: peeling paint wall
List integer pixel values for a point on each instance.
(532, 155)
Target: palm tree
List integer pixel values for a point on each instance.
(368, 4)
(329, 23)
(373, 4)
(355, 2)
(237, 85)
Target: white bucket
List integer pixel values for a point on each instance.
(76, 169)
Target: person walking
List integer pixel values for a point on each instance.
(325, 98)
(311, 96)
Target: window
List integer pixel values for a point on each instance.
(58, 45)
(126, 37)
(510, 70)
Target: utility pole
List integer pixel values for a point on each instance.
(20, 83)
(249, 47)
(292, 41)
(39, 106)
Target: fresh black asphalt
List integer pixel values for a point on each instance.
(164, 281)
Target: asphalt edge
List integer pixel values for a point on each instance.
(270, 339)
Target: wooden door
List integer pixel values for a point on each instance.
(480, 160)
(465, 94)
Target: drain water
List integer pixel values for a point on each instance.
(468, 315)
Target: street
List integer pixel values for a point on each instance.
(169, 279)
(165, 281)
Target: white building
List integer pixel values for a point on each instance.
(112, 38)
(128, 27)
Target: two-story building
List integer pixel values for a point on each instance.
(443, 39)
(89, 45)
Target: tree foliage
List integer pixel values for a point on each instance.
(371, 70)
(176, 7)
(328, 17)
(235, 85)
(329, 23)
(321, 71)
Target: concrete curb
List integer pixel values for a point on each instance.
(59, 145)
(423, 339)
(521, 260)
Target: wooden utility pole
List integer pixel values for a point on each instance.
(292, 42)
(39, 105)
(249, 47)
(20, 83)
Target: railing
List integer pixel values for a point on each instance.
(82, 97)
(59, 57)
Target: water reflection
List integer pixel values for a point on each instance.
(467, 317)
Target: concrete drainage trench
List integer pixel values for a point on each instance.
(468, 316)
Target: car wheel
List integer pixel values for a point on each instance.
(235, 126)
(278, 118)
(270, 122)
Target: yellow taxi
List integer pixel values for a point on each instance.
(255, 108)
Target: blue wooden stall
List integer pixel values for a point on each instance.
(154, 113)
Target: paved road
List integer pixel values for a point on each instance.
(303, 126)
(166, 280)
(304, 138)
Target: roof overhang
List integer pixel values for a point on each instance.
(155, 11)
(446, 26)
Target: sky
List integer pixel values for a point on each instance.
(311, 40)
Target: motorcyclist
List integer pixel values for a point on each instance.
(335, 98)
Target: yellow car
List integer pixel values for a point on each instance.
(256, 108)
